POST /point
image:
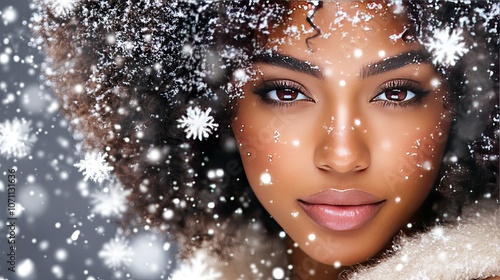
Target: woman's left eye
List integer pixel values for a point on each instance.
(400, 93)
(395, 95)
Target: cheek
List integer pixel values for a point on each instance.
(262, 136)
(276, 153)
(266, 146)
(410, 160)
(424, 156)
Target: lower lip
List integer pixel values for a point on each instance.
(341, 218)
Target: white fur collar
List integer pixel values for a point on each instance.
(469, 249)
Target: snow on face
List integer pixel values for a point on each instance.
(360, 129)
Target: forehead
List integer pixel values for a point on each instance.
(341, 15)
(349, 27)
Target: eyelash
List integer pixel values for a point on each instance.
(266, 87)
(407, 85)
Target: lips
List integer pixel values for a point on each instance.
(341, 210)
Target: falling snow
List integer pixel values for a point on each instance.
(197, 267)
(94, 167)
(26, 269)
(83, 242)
(116, 252)
(111, 201)
(490, 16)
(62, 8)
(197, 124)
(16, 139)
(447, 46)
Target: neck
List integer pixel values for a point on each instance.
(306, 268)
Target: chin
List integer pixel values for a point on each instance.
(346, 252)
(350, 258)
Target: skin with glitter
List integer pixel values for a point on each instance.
(359, 128)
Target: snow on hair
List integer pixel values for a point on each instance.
(127, 72)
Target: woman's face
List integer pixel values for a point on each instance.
(341, 140)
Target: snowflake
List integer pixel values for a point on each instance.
(489, 15)
(62, 8)
(116, 252)
(447, 48)
(110, 201)
(397, 6)
(94, 167)
(439, 233)
(197, 124)
(198, 268)
(15, 138)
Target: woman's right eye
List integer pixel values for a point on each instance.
(281, 92)
(286, 95)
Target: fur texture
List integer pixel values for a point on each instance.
(469, 249)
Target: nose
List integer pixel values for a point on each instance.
(342, 148)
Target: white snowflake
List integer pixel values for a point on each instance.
(62, 8)
(491, 14)
(447, 48)
(198, 268)
(397, 6)
(116, 252)
(15, 138)
(94, 167)
(111, 201)
(197, 123)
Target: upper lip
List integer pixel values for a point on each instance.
(347, 197)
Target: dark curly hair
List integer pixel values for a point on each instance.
(126, 71)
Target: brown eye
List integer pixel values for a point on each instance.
(395, 95)
(286, 95)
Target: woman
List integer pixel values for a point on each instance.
(365, 129)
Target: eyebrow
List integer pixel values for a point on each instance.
(394, 62)
(372, 69)
(290, 63)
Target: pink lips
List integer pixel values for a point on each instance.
(341, 210)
